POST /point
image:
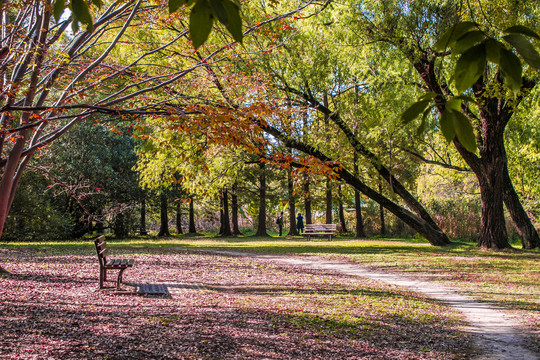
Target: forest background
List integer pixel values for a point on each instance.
(113, 126)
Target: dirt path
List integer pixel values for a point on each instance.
(498, 335)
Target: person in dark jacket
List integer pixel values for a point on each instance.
(279, 222)
(300, 223)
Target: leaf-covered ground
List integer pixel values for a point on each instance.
(219, 308)
(508, 280)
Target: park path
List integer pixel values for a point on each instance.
(498, 336)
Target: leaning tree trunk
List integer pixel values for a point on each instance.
(292, 207)
(164, 218)
(192, 229)
(234, 210)
(427, 229)
(226, 226)
(361, 149)
(261, 227)
(522, 222)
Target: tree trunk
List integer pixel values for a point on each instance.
(142, 225)
(120, 227)
(31, 67)
(381, 212)
(491, 167)
(179, 217)
(360, 233)
(99, 223)
(492, 225)
(225, 206)
(292, 207)
(234, 209)
(341, 212)
(261, 227)
(328, 202)
(522, 222)
(307, 201)
(489, 170)
(221, 215)
(164, 218)
(192, 229)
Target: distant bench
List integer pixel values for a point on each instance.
(110, 264)
(320, 229)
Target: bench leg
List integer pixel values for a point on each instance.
(102, 276)
(119, 280)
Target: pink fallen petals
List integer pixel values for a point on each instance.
(219, 307)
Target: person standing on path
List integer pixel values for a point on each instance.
(300, 223)
(279, 221)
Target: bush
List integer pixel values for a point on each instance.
(33, 216)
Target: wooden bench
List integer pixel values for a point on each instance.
(320, 229)
(109, 264)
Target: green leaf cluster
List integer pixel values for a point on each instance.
(201, 17)
(203, 14)
(476, 48)
(80, 12)
(452, 121)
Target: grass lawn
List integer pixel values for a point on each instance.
(241, 308)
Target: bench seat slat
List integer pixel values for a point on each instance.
(320, 229)
(119, 263)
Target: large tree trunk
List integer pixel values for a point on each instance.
(261, 227)
(360, 232)
(234, 210)
(492, 226)
(179, 217)
(491, 167)
(489, 170)
(292, 207)
(192, 229)
(226, 226)
(522, 222)
(164, 217)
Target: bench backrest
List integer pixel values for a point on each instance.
(101, 249)
(320, 227)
